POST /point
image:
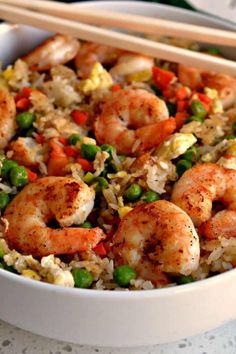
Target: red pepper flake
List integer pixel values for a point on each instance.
(40, 138)
(116, 87)
(161, 77)
(23, 104)
(32, 176)
(86, 165)
(100, 250)
(182, 105)
(70, 151)
(79, 117)
(63, 140)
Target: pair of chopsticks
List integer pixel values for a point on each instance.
(50, 15)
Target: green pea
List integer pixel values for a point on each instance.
(214, 51)
(82, 278)
(184, 279)
(171, 108)
(1, 265)
(230, 137)
(4, 200)
(86, 225)
(123, 274)
(193, 119)
(7, 166)
(89, 151)
(192, 154)
(88, 178)
(18, 176)
(73, 139)
(234, 127)
(182, 166)
(102, 183)
(198, 109)
(25, 119)
(150, 196)
(108, 148)
(133, 192)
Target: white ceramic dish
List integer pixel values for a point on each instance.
(114, 318)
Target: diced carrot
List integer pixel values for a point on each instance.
(63, 140)
(169, 92)
(86, 165)
(182, 93)
(32, 176)
(79, 117)
(204, 98)
(17, 97)
(56, 165)
(116, 87)
(154, 134)
(180, 118)
(162, 78)
(23, 104)
(100, 250)
(70, 151)
(40, 138)
(182, 105)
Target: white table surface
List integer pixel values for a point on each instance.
(17, 341)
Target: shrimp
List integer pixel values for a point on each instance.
(90, 53)
(58, 49)
(133, 117)
(198, 188)
(7, 117)
(157, 237)
(64, 199)
(129, 63)
(195, 78)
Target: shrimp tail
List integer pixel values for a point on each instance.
(162, 129)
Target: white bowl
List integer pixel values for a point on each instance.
(108, 318)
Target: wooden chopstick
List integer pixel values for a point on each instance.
(129, 22)
(116, 39)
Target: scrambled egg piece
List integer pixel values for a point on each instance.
(139, 76)
(99, 78)
(123, 211)
(175, 146)
(217, 106)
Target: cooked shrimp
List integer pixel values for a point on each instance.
(157, 237)
(195, 78)
(7, 117)
(90, 53)
(58, 49)
(133, 117)
(129, 63)
(198, 188)
(64, 199)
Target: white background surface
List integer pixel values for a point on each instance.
(17, 341)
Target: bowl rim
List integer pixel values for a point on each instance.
(129, 294)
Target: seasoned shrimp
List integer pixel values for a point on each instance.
(7, 117)
(195, 78)
(58, 49)
(65, 199)
(91, 53)
(198, 188)
(133, 117)
(157, 237)
(129, 63)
